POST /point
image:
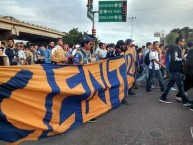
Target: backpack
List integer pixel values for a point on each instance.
(167, 61)
(146, 59)
(168, 56)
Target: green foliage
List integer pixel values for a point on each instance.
(171, 38)
(73, 37)
(186, 32)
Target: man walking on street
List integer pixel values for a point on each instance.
(176, 72)
(154, 68)
(128, 44)
(146, 67)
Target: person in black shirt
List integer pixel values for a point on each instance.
(11, 53)
(176, 72)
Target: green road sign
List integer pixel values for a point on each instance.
(112, 11)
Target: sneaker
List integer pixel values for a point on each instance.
(191, 109)
(151, 92)
(125, 102)
(132, 93)
(187, 104)
(179, 99)
(173, 89)
(92, 120)
(135, 87)
(164, 101)
(139, 84)
(153, 87)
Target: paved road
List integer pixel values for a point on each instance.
(144, 121)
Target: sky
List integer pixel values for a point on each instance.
(151, 16)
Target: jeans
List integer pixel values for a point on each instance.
(175, 77)
(145, 75)
(163, 71)
(155, 73)
(187, 84)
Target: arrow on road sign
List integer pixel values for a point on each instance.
(115, 17)
(116, 5)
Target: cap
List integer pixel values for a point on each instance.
(87, 39)
(190, 44)
(127, 41)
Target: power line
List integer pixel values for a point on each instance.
(189, 18)
(184, 18)
(160, 8)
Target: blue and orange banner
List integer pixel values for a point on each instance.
(38, 101)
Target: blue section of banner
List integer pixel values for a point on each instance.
(49, 98)
(129, 64)
(114, 90)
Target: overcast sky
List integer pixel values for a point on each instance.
(63, 15)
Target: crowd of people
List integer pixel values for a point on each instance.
(165, 63)
(169, 65)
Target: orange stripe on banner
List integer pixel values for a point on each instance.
(131, 79)
(64, 126)
(107, 92)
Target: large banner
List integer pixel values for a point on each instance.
(39, 101)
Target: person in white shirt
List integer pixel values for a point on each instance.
(21, 54)
(75, 50)
(102, 53)
(154, 68)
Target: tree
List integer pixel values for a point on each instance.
(73, 37)
(171, 38)
(186, 32)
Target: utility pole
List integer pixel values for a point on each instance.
(93, 23)
(132, 18)
(91, 15)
